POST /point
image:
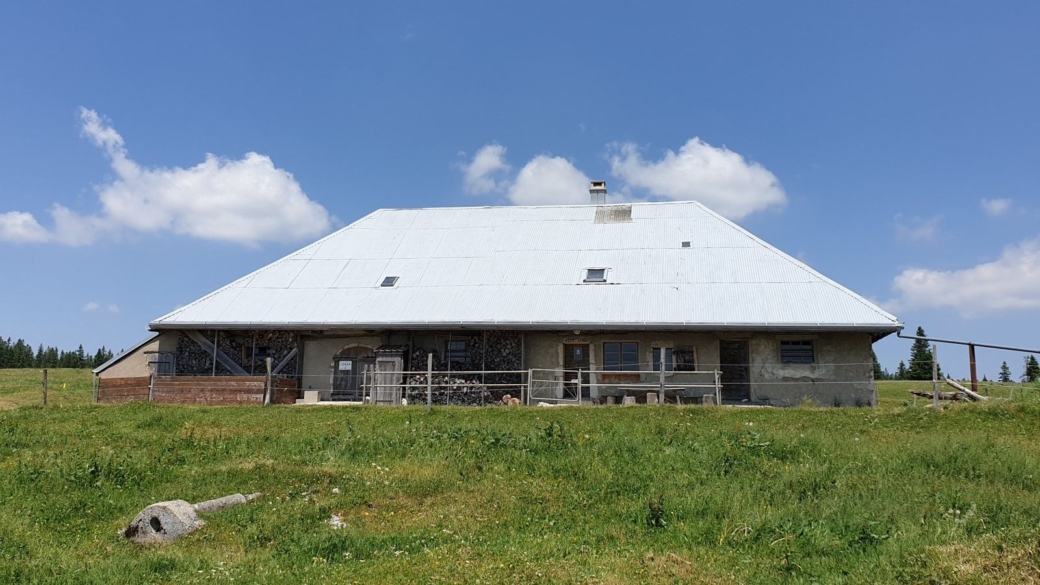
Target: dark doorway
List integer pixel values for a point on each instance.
(576, 357)
(348, 373)
(734, 362)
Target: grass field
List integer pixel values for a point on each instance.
(493, 495)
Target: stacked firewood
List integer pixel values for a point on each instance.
(193, 360)
(455, 391)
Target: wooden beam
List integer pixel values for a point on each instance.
(285, 361)
(969, 393)
(208, 347)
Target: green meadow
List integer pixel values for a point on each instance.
(896, 494)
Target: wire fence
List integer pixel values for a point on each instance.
(375, 383)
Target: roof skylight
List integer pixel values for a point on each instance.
(388, 282)
(595, 275)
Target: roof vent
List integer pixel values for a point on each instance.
(598, 192)
(613, 214)
(388, 282)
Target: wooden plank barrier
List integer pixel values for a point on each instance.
(208, 390)
(120, 390)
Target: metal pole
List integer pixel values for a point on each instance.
(971, 361)
(935, 377)
(660, 387)
(45, 386)
(429, 382)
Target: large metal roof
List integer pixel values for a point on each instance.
(524, 267)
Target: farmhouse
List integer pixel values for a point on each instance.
(594, 303)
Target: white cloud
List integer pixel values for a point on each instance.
(20, 228)
(479, 176)
(717, 177)
(245, 201)
(1010, 283)
(549, 180)
(917, 229)
(995, 207)
(93, 306)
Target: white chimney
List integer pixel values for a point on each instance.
(598, 192)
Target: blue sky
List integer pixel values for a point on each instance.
(892, 146)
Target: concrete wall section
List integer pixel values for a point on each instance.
(841, 374)
(135, 364)
(318, 353)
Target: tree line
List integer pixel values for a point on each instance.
(20, 354)
(920, 366)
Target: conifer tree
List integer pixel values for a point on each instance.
(1005, 373)
(879, 374)
(901, 373)
(921, 359)
(1032, 370)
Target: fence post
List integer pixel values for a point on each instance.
(718, 388)
(971, 363)
(429, 382)
(530, 373)
(267, 382)
(579, 386)
(660, 387)
(45, 386)
(935, 377)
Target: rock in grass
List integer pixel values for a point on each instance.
(163, 523)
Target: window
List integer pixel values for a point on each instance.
(685, 359)
(595, 275)
(685, 244)
(796, 352)
(457, 350)
(388, 282)
(668, 363)
(623, 356)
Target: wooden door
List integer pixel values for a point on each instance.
(576, 357)
(734, 362)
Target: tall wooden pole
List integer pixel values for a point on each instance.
(971, 362)
(935, 377)
(267, 385)
(45, 386)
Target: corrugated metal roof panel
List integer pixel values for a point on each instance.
(525, 265)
